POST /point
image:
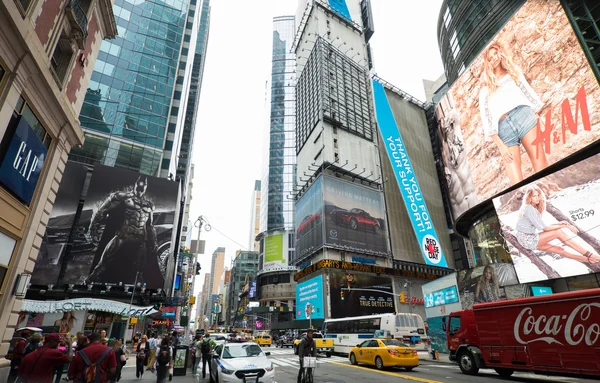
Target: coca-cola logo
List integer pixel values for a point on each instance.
(574, 327)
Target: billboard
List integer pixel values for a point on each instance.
(274, 252)
(309, 299)
(526, 102)
(407, 180)
(354, 217)
(309, 225)
(125, 226)
(441, 298)
(53, 249)
(350, 303)
(489, 283)
(551, 227)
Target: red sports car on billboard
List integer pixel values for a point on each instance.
(309, 222)
(355, 218)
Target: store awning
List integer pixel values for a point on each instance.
(297, 324)
(81, 304)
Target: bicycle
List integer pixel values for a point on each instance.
(309, 364)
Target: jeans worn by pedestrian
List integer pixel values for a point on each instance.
(206, 358)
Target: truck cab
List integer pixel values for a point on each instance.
(461, 332)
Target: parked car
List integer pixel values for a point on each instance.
(383, 353)
(355, 219)
(244, 362)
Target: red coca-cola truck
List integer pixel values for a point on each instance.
(556, 334)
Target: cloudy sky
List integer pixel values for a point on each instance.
(229, 141)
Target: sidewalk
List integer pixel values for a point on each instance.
(128, 375)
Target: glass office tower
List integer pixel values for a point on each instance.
(135, 89)
(278, 182)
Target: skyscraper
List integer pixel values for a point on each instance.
(217, 269)
(130, 110)
(255, 211)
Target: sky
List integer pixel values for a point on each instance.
(230, 136)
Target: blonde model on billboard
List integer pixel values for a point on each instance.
(509, 110)
(534, 234)
(487, 287)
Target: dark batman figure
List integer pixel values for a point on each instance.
(134, 238)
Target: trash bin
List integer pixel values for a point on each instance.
(180, 360)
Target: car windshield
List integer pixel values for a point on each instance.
(393, 342)
(241, 351)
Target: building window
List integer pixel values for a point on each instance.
(23, 5)
(22, 108)
(7, 248)
(61, 58)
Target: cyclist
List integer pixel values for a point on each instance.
(307, 347)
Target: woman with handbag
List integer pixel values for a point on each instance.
(121, 359)
(141, 358)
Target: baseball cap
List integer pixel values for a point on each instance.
(310, 330)
(54, 337)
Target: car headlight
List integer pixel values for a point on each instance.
(226, 371)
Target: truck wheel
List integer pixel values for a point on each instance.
(379, 363)
(504, 372)
(353, 359)
(328, 354)
(466, 362)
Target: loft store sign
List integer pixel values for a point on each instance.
(81, 304)
(23, 161)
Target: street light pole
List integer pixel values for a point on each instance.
(131, 302)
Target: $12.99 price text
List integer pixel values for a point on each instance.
(581, 214)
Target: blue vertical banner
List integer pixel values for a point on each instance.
(407, 180)
(340, 7)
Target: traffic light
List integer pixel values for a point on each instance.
(341, 295)
(403, 298)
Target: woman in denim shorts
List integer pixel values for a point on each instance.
(509, 110)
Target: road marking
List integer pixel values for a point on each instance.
(279, 362)
(409, 377)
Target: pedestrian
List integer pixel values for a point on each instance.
(153, 343)
(196, 355)
(206, 348)
(95, 360)
(63, 347)
(120, 357)
(82, 343)
(19, 344)
(76, 340)
(307, 347)
(40, 365)
(33, 343)
(164, 362)
(141, 357)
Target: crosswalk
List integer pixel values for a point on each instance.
(295, 362)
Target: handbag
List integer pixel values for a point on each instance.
(123, 358)
(141, 355)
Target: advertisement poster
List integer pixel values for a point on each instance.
(60, 223)
(527, 101)
(309, 299)
(552, 227)
(441, 298)
(274, 255)
(407, 180)
(487, 284)
(309, 225)
(126, 226)
(351, 303)
(354, 217)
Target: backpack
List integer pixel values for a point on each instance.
(205, 347)
(92, 372)
(164, 356)
(30, 348)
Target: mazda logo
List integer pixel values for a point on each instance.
(333, 233)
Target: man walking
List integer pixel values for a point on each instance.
(40, 365)
(153, 342)
(307, 347)
(206, 348)
(19, 345)
(95, 357)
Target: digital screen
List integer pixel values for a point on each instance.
(541, 290)
(441, 297)
(177, 282)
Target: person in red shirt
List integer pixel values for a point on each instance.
(94, 352)
(17, 355)
(40, 365)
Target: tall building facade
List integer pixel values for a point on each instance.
(243, 273)
(217, 268)
(131, 107)
(255, 211)
(204, 307)
(46, 55)
(277, 217)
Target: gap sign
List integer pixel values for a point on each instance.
(23, 162)
(407, 180)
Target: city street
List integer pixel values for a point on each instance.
(339, 370)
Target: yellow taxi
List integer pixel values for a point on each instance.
(383, 353)
(263, 340)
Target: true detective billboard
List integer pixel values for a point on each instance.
(309, 225)
(354, 217)
(552, 226)
(125, 226)
(527, 101)
(346, 301)
(60, 223)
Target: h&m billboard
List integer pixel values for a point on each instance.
(552, 226)
(526, 102)
(342, 215)
(125, 226)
